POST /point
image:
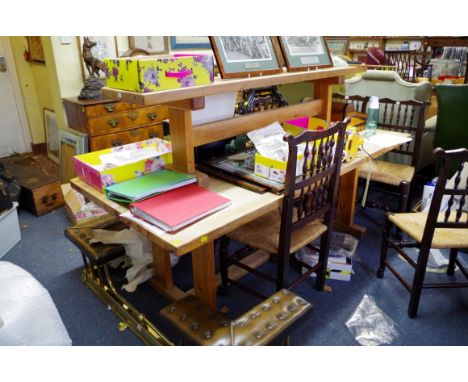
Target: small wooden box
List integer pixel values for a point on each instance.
(40, 184)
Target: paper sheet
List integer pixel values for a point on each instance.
(120, 158)
(384, 139)
(139, 251)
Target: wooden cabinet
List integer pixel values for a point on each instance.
(110, 123)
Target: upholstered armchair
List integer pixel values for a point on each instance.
(388, 84)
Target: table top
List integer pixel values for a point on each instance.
(245, 206)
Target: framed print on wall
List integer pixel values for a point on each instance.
(189, 42)
(305, 52)
(36, 51)
(106, 47)
(52, 135)
(245, 56)
(151, 44)
(337, 46)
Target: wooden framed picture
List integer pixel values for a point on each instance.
(337, 46)
(245, 56)
(52, 135)
(71, 143)
(151, 44)
(189, 42)
(305, 52)
(36, 51)
(106, 47)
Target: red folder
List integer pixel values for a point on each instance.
(178, 208)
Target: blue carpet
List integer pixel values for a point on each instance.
(56, 263)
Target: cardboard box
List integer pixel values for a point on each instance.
(274, 169)
(156, 73)
(79, 211)
(88, 167)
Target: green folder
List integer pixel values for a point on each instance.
(148, 185)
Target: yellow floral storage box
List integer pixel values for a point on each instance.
(156, 73)
(118, 164)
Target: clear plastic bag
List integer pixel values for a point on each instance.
(370, 326)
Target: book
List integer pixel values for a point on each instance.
(338, 268)
(148, 185)
(180, 207)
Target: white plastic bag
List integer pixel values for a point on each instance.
(369, 325)
(28, 316)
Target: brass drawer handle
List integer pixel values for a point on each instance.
(113, 122)
(153, 134)
(49, 200)
(116, 142)
(133, 115)
(110, 107)
(133, 133)
(152, 116)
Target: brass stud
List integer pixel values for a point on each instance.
(259, 335)
(275, 300)
(183, 317)
(172, 309)
(225, 323)
(255, 315)
(284, 292)
(195, 326)
(301, 301)
(266, 307)
(292, 308)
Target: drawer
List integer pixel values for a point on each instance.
(125, 137)
(108, 108)
(126, 120)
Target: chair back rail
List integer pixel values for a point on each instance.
(453, 159)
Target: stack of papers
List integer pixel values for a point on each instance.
(148, 185)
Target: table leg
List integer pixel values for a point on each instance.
(203, 263)
(346, 204)
(162, 268)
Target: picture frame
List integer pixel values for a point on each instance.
(71, 143)
(189, 42)
(337, 46)
(245, 56)
(106, 46)
(305, 52)
(36, 51)
(52, 134)
(150, 44)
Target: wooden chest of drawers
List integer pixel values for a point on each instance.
(111, 123)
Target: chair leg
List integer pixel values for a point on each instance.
(404, 196)
(384, 246)
(223, 264)
(323, 259)
(451, 264)
(418, 281)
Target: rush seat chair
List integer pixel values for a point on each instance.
(404, 117)
(306, 214)
(432, 229)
